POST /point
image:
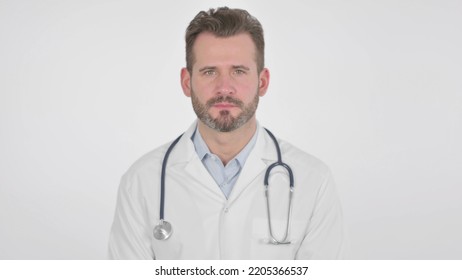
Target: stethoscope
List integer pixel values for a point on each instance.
(163, 230)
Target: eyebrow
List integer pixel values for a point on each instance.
(241, 67)
(205, 68)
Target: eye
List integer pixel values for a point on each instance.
(209, 72)
(239, 72)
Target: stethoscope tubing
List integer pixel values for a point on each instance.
(162, 177)
(163, 230)
(278, 163)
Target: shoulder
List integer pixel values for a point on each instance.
(304, 162)
(146, 167)
(299, 156)
(153, 157)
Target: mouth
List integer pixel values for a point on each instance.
(224, 105)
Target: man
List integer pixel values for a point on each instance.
(214, 194)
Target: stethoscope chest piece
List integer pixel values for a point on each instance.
(163, 230)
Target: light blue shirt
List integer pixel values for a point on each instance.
(224, 176)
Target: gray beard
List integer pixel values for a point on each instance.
(225, 122)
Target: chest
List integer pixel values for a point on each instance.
(206, 225)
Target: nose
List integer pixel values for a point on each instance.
(225, 85)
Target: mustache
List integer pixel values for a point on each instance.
(227, 99)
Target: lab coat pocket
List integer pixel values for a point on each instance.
(264, 248)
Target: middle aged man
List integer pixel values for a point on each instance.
(214, 204)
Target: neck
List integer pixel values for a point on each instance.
(226, 145)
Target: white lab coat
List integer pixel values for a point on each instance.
(206, 225)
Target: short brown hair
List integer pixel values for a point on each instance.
(225, 22)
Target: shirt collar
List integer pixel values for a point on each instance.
(202, 150)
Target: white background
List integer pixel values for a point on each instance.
(373, 88)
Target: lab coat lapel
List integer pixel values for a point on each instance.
(184, 156)
(262, 155)
(201, 178)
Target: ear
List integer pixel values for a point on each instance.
(186, 82)
(263, 79)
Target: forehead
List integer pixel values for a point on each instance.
(236, 49)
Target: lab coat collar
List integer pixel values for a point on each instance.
(262, 155)
(185, 151)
